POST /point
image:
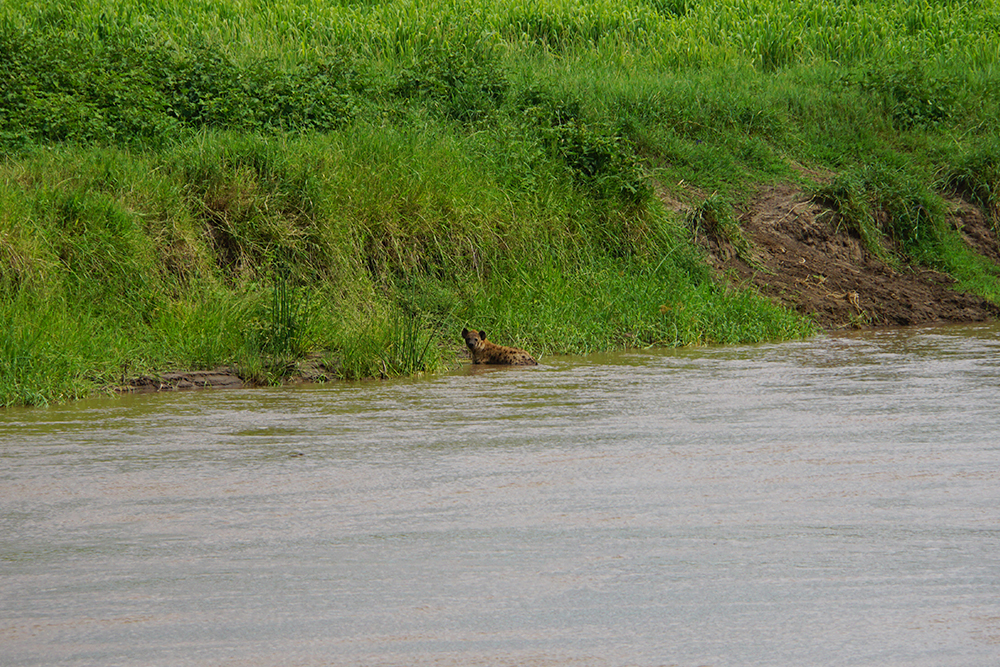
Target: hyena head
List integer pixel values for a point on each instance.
(474, 339)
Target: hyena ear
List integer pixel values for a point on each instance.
(482, 334)
(465, 332)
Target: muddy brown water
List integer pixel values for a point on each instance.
(828, 502)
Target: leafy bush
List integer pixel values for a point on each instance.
(467, 85)
(60, 86)
(599, 158)
(911, 95)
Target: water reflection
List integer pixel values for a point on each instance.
(833, 500)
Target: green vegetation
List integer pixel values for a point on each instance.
(242, 182)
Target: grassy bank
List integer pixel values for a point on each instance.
(248, 183)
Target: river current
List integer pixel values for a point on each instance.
(834, 501)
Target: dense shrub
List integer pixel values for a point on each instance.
(61, 87)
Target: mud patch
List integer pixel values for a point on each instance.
(311, 369)
(222, 377)
(803, 259)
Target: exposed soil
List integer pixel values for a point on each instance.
(800, 257)
(173, 381)
(310, 369)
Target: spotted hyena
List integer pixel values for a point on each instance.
(485, 352)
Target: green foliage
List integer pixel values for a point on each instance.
(672, 8)
(140, 75)
(976, 174)
(879, 201)
(467, 85)
(848, 195)
(387, 347)
(106, 259)
(277, 332)
(902, 221)
(714, 218)
(598, 158)
(910, 95)
(61, 85)
(605, 303)
(31, 369)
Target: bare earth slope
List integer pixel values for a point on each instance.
(804, 261)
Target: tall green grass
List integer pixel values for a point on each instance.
(140, 73)
(766, 33)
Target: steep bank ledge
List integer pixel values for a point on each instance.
(800, 257)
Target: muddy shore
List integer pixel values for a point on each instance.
(310, 369)
(802, 258)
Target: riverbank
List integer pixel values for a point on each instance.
(194, 187)
(798, 254)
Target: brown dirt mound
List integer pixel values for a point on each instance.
(801, 258)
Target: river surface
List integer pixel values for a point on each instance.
(828, 502)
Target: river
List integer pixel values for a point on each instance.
(834, 501)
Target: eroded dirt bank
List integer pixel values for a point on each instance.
(802, 258)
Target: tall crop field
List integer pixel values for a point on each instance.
(248, 183)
